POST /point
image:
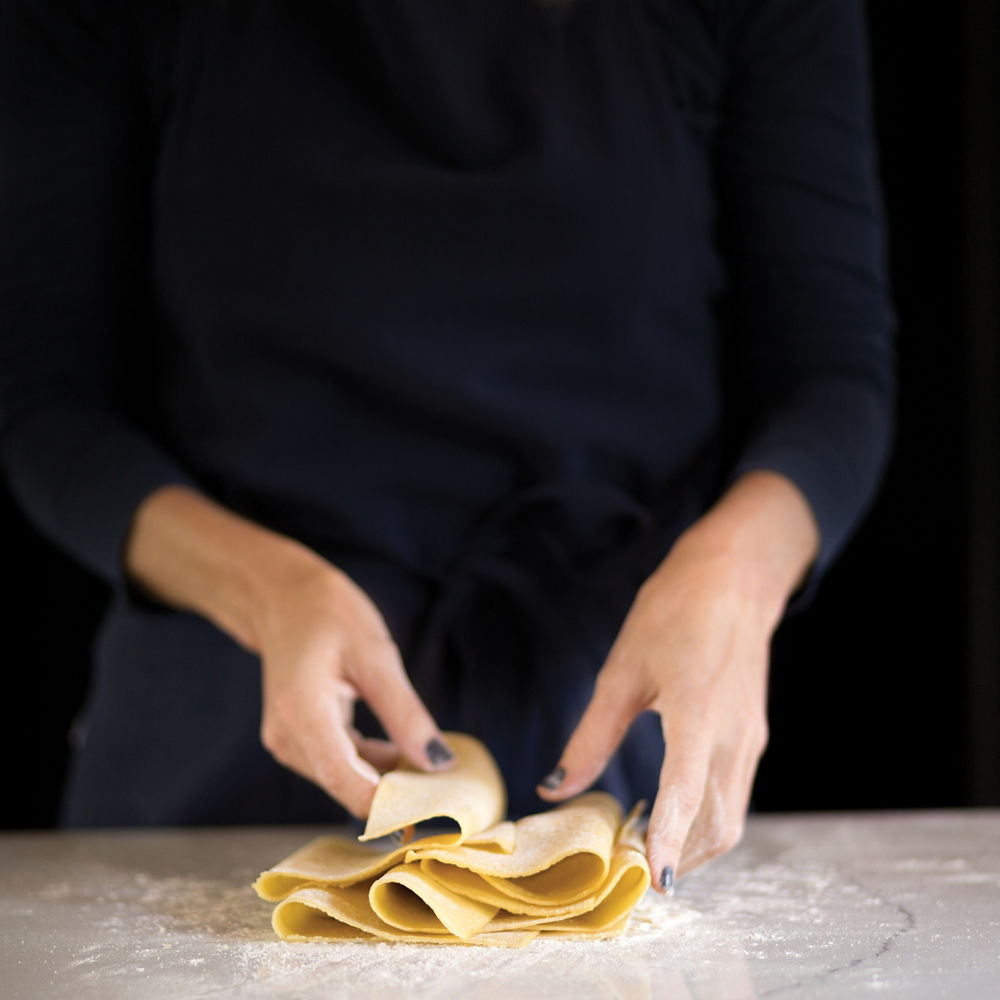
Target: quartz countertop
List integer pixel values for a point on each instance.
(902, 905)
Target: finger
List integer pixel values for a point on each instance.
(384, 685)
(719, 829)
(683, 778)
(721, 820)
(718, 826)
(342, 772)
(381, 754)
(404, 835)
(600, 730)
(319, 747)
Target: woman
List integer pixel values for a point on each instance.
(502, 368)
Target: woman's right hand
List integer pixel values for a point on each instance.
(322, 642)
(323, 645)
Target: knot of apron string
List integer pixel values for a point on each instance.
(523, 617)
(544, 551)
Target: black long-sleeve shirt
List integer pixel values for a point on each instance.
(403, 277)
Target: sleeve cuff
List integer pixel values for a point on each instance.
(839, 484)
(80, 474)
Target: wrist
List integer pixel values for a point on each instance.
(260, 575)
(758, 541)
(193, 554)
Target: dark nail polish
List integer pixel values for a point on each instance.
(437, 752)
(667, 880)
(554, 779)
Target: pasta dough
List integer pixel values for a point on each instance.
(576, 870)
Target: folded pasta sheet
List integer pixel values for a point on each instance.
(576, 870)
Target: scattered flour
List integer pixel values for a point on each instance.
(762, 920)
(200, 937)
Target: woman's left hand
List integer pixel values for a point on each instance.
(694, 647)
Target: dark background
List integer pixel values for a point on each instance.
(886, 691)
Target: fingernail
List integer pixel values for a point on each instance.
(667, 880)
(397, 836)
(554, 779)
(437, 752)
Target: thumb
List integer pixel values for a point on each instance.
(596, 737)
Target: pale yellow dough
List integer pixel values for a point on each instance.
(576, 870)
(471, 793)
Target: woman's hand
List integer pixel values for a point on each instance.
(323, 645)
(694, 648)
(321, 641)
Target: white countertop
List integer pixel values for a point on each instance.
(901, 905)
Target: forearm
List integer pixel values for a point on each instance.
(191, 553)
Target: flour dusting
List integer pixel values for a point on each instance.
(182, 929)
(173, 915)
